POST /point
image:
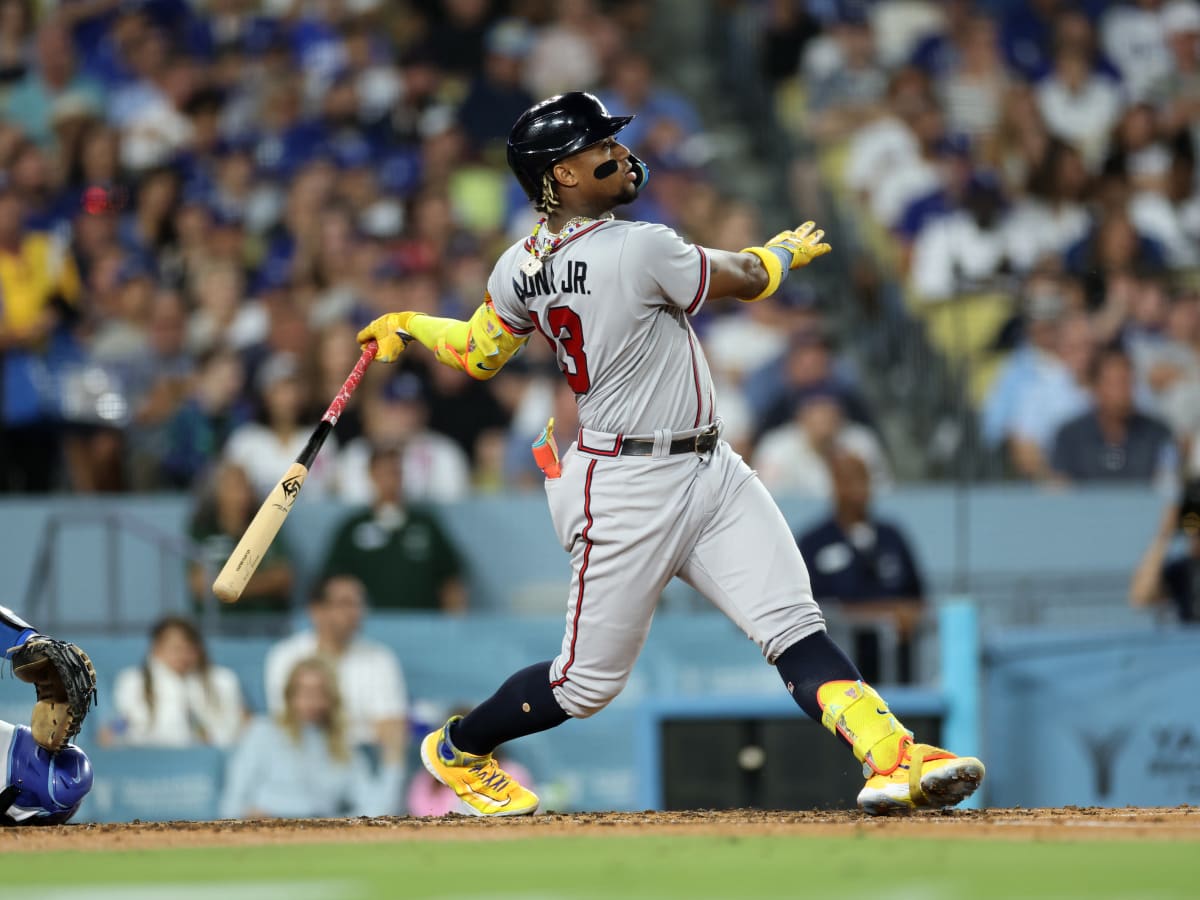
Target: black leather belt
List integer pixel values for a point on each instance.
(704, 442)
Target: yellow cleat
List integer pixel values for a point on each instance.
(483, 788)
(925, 778)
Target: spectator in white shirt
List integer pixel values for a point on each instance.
(176, 697)
(1079, 105)
(963, 250)
(566, 54)
(266, 449)
(434, 468)
(1133, 38)
(1168, 216)
(1177, 92)
(795, 456)
(1053, 217)
(369, 675)
(974, 91)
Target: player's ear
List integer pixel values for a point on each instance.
(564, 175)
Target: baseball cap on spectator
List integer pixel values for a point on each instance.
(404, 388)
(796, 294)
(391, 269)
(197, 192)
(399, 171)
(512, 38)
(231, 145)
(274, 274)
(263, 35)
(824, 392)
(1181, 17)
(280, 367)
(350, 151)
(132, 269)
(814, 336)
(225, 216)
(852, 12)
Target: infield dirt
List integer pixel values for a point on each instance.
(1180, 823)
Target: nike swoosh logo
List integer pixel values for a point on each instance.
(485, 368)
(492, 800)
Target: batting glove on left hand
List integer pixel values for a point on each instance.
(390, 331)
(803, 244)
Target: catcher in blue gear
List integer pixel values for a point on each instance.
(61, 673)
(40, 787)
(46, 777)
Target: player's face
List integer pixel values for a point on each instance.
(606, 173)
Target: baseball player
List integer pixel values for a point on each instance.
(648, 490)
(45, 777)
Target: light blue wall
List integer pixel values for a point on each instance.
(516, 563)
(1093, 719)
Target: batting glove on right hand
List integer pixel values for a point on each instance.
(803, 244)
(390, 331)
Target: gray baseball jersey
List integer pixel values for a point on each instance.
(614, 299)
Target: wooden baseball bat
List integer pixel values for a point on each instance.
(242, 563)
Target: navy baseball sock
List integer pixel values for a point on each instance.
(808, 664)
(524, 705)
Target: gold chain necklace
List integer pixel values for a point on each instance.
(537, 255)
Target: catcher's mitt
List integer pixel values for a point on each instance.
(66, 686)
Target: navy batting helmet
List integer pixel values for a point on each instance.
(555, 129)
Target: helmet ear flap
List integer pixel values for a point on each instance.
(641, 173)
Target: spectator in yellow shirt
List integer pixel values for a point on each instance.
(38, 284)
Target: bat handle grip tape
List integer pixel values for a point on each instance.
(351, 383)
(338, 406)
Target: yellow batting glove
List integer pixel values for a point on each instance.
(803, 244)
(390, 331)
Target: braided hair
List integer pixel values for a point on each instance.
(549, 201)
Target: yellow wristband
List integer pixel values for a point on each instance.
(774, 267)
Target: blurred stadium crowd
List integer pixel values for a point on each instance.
(1026, 172)
(201, 201)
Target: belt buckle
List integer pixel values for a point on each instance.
(709, 432)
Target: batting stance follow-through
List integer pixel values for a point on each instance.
(648, 490)
(46, 777)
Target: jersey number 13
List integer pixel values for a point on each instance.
(564, 330)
